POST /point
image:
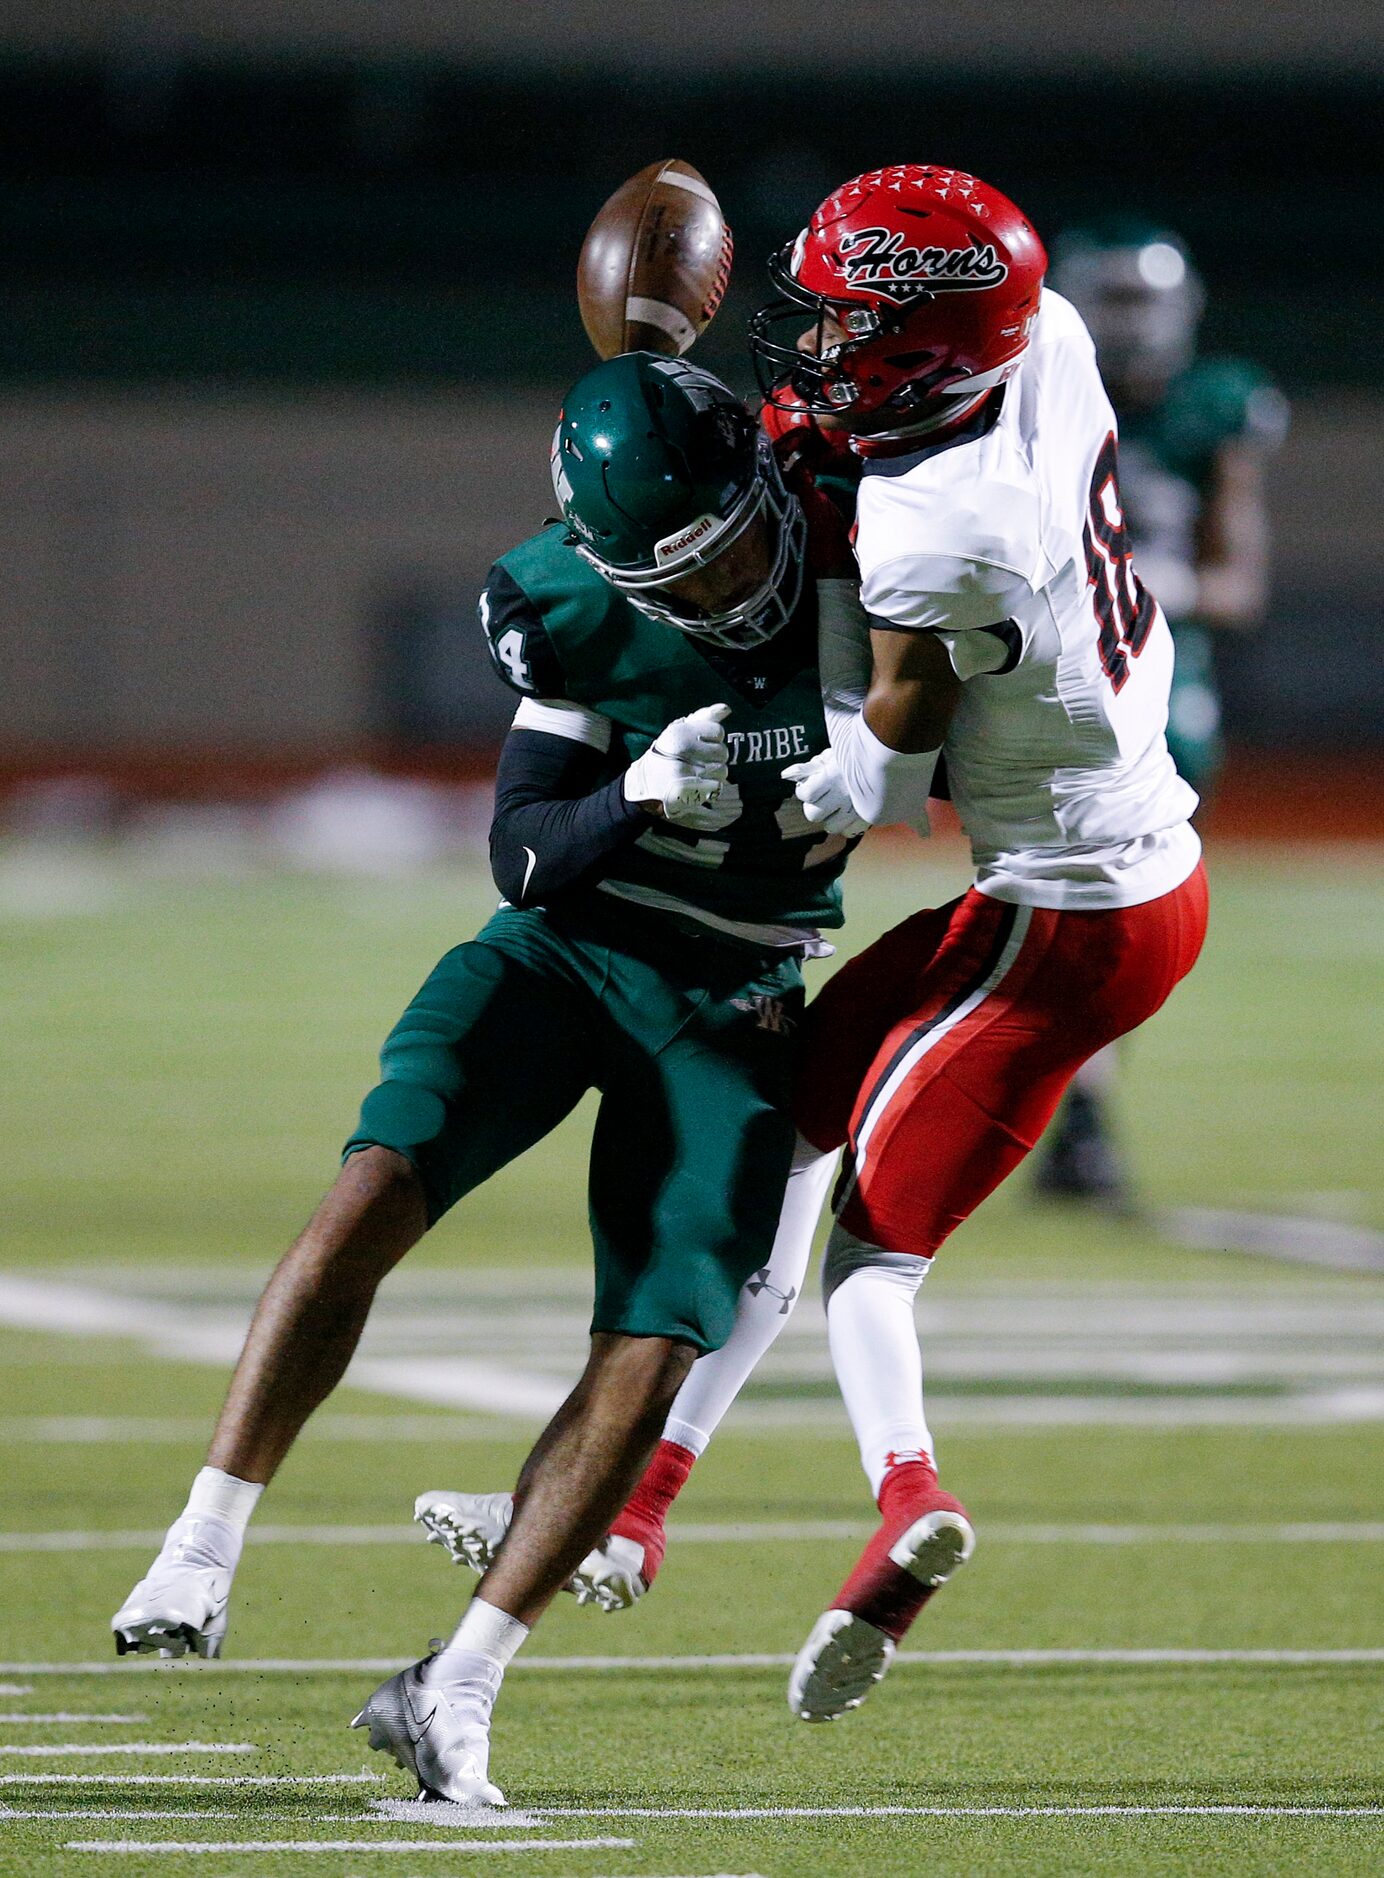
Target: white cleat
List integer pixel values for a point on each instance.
(471, 1527)
(842, 1660)
(935, 1546)
(438, 1733)
(610, 1576)
(844, 1656)
(180, 1604)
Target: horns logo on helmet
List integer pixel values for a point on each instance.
(880, 259)
(918, 283)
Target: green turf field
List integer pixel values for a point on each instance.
(1173, 1456)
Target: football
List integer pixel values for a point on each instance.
(655, 263)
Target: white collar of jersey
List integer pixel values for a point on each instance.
(921, 427)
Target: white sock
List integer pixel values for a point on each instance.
(481, 1647)
(210, 1530)
(763, 1309)
(222, 1496)
(879, 1367)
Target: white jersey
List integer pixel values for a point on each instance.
(1011, 546)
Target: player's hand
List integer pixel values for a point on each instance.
(820, 787)
(684, 766)
(709, 818)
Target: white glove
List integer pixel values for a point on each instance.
(826, 801)
(684, 766)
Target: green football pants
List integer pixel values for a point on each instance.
(691, 1041)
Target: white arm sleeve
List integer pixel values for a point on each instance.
(559, 717)
(885, 785)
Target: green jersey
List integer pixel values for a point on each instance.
(556, 630)
(1168, 458)
(1167, 465)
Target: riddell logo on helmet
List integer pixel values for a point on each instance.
(880, 260)
(672, 546)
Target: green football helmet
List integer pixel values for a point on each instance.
(660, 470)
(1134, 284)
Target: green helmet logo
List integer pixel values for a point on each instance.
(660, 471)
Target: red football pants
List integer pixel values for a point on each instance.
(939, 1055)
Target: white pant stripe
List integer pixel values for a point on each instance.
(885, 1094)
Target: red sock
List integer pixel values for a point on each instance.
(642, 1520)
(878, 1590)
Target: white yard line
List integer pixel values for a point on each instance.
(174, 1330)
(1011, 1659)
(179, 1430)
(139, 1540)
(812, 1419)
(223, 1846)
(106, 1812)
(496, 1344)
(16, 1688)
(1305, 1408)
(68, 1715)
(441, 1813)
(1327, 1242)
(1319, 1532)
(90, 1778)
(917, 1812)
(763, 1532)
(460, 1382)
(129, 1747)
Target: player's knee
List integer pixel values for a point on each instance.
(376, 1210)
(846, 1254)
(644, 1373)
(404, 1115)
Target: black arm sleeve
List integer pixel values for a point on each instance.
(556, 821)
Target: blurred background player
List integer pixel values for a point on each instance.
(1195, 435)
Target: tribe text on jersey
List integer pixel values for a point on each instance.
(557, 631)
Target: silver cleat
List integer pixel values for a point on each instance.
(439, 1734)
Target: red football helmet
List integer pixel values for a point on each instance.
(935, 277)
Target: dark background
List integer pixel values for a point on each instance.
(283, 326)
(311, 222)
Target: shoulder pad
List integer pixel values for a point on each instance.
(517, 638)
